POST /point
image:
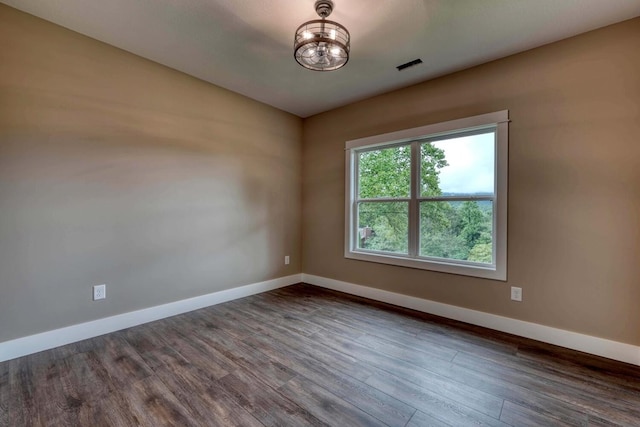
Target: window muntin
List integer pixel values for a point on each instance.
(432, 197)
(384, 190)
(457, 176)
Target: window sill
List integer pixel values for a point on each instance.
(488, 272)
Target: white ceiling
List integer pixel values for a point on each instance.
(247, 45)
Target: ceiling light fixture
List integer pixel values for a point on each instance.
(322, 45)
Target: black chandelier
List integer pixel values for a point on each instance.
(320, 44)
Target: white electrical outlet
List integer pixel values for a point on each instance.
(516, 293)
(99, 292)
(286, 260)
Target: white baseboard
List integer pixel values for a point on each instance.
(46, 340)
(57, 337)
(598, 346)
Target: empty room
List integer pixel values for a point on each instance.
(319, 213)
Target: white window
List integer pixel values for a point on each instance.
(433, 197)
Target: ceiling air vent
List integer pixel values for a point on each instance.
(409, 64)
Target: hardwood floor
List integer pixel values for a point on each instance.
(303, 356)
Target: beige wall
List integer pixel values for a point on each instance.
(117, 170)
(574, 183)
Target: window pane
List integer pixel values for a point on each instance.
(385, 173)
(457, 230)
(383, 226)
(457, 166)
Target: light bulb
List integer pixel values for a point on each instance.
(307, 35)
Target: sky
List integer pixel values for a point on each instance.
(471, 164)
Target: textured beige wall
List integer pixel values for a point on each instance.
(574, 183)
(117, 170)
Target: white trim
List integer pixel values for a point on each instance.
(466, 123)
(589, 344)
(474, 270)
(499, 121)
(70, 334)
(46, 340)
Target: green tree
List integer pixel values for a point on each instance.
(471, 223)
(386, 173)
(389, 224)
(435, 217)
(451, 230)
(482, 252)
(432, 159)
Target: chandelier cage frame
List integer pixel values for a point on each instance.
(321, 44)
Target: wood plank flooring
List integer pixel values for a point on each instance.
(305, 356)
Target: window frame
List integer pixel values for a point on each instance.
(414, 137)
